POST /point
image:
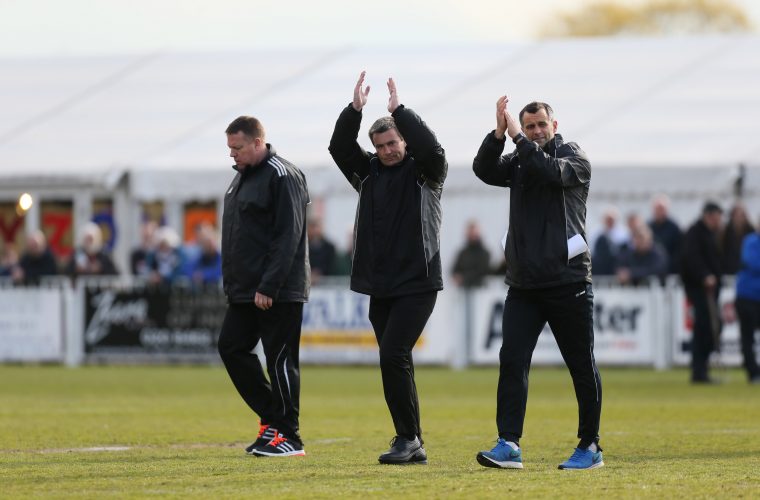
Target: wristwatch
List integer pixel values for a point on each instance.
(519, 137)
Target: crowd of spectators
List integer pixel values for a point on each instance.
(640, 251)
(657, 248)
(632, 252)
(160, 257)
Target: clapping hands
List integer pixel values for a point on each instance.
(361, 93)
(505, 123)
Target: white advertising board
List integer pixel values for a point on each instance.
(336, 329)
(730, 343)
(31, 325)
(624, 328)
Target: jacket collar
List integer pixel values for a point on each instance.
(552, 146)
(270, 153)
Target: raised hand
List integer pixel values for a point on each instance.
(393, 99)
(505, 123)
(513, 126)
(501, 117)
(360, 95)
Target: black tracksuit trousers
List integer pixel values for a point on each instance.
(569, 310)
(398, 323)
(749, 321)
(703, 339)
(275, 401)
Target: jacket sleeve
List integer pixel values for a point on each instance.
(290, 200)
(351, 158)
(429, 156)
(492, 168)
(569, 168)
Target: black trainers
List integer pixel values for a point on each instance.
(266, 434)
(404, 451)
(280, 446)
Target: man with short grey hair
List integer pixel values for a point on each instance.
(396, 258)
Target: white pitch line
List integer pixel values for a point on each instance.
(186, 446)
(90, 449)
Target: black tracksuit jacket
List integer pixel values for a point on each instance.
(700, 255)
(398, 218)
(547, 206)
(264, 245)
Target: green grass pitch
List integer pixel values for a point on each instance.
(102, 432)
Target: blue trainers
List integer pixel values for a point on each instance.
(502, 456)
(583, 458)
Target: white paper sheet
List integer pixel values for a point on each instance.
(576, 246)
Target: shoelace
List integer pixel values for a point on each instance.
(577, 455)
(262, 429)
(501, 443)
(278, 439)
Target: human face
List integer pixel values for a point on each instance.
(244, 150)
(713, 220)
(538, 128)
(642, 241)
(390, 147)
(660, 210)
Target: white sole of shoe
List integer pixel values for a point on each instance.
(595, 466)
(296, 453)
(490, 462)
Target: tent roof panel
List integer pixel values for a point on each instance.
(627, 101)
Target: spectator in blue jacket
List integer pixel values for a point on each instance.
(748, 302)
(207, 268)
(166, 261)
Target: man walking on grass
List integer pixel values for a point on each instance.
(548, 273)
(265, 267)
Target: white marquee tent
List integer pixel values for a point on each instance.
(653, 114)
